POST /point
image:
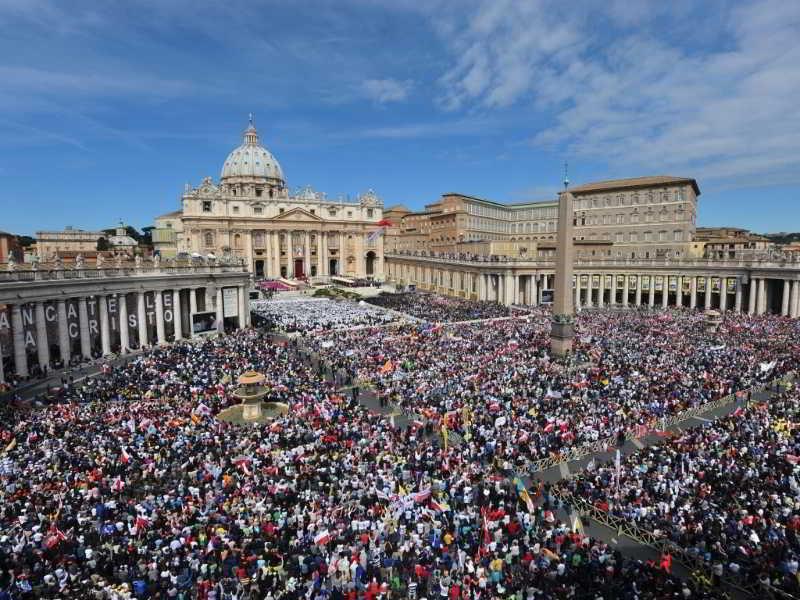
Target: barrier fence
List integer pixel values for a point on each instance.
(659, 543)
(606, 444)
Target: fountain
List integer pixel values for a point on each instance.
(252, 409)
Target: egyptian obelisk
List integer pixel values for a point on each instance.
(562, 329)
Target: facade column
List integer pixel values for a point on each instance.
(176, 314)
(708, 294)
(243, 302)
(161, 338)
(534, 291)
(738, 300)
(42, 346)
(18, 337)
(481, 287)
(124, 337)
(361, 263)
(638, 301)
(63, 332)
(342, 270)
(723, 294)
(679, 296)
(141, 320)
(508, 292)
(613, 299)
(665, 292)
(795, 300)
(784, 299)
(83, 315)
(651, 297)
(220, 313)
(275, 246)
(693, 292)
(625, 290)
(307, 254)
(762, 296)
(105, 331)
(577, 301)
(321, 254)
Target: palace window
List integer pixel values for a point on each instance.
(369, 213)
(206, 205)
(258, 192)
(281, 211)
(236, 210)
(258, 210)
(237, 241)
(208, 238)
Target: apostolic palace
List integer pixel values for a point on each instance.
(635, 243)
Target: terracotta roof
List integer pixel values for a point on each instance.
(634, 182)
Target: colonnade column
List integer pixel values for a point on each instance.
(601, 290)
(105, 334)
(141, 318)
(638, 290)
(651, 297)
(794, 311)
(2, 373)
(785, 299)
(665, 291)
(124, 338)
(625, 290)
(707, 304)
(161, 338)
(738, 300)
(83, 315)
(63, 332)
(762, 296)
(752, 297)
(176, 314)
(613, 300)
(723, 294)
(534, 301)
(508, 292)
(20, 356)
(693, 292)
(42, 347)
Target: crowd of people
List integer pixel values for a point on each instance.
(629, 372)
(439, 309)
(728, 491)
(316, 315)
(127, 486)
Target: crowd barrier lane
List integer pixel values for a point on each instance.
(606, 444)
(662, 545)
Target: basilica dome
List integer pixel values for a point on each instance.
(252, 160)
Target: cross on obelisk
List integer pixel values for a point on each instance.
(562, 330)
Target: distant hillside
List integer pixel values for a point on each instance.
(783, 237)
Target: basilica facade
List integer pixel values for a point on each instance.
(250, 213)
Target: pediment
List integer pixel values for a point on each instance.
(298, 214)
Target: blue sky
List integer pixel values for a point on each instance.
(108, 108)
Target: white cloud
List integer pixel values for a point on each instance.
(624, 88)
(386, 90)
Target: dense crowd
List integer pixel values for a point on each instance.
(439, 309)
(130, 488)
(308, 316)
(629, 371)
(729, 492)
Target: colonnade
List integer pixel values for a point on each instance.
(755, 293)
(62, 329)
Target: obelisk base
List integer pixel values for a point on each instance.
(251, 411)
(561, 337)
